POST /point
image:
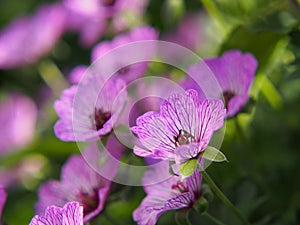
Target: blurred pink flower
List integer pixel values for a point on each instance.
(235, 73)
(89, 110)
(189, 33)
(18, 116)
(27, 39)
(128, 72)
(79, 182)
(90, 18)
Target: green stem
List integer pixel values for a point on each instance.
(239, 130)
(213, 219)
(220, 194)
(214, 12)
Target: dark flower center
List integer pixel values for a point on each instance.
(101, 118)
(228, 95)
(183, 138)
(124, 70)
(108, 2)
(89, 201)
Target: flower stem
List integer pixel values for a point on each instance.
(213, 219)
(220, 194)
(214, 12)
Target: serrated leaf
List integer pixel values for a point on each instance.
(187, 168)
(213, 154)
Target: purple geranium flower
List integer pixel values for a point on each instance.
(128, 72)
(171, 194)
(70, 214)
(181, 130)
(90, 109)
(88, 18)
(190, 32)
(17, 117)
(27, 39)
(79, 182)
(235, 73)
(2, 200)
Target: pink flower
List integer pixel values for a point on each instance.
(129, 72)
(235, 73)
(18, 118)
(181, 130)
(90, 109)
(70, 214)
(27, 39)
(171, 194)
(79, 182)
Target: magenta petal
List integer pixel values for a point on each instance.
(27, 39)
(82, 183)
(127, 72)
(185, 152)
(235, 73)
(180, 201)
(70, 214)
(170, 194)
(154, 136)
(183, 120)
(90, 109)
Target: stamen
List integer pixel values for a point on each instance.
(183, 138)
(89, 201)
(101, 118)
(108, 2)
(227, 96)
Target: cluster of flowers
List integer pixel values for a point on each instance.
(179, 132)
(27, 39)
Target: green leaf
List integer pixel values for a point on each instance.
(213, 154)
(261, 44)
(187, 168)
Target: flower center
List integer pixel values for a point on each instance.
(227, 96)
(108, 2)
(124, 70)
(183, 138)
(101, 118)
(180, 187)
(89, 201)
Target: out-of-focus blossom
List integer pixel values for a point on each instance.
(127, 13)
(87, 111)
(170, 194)
(17, 117)
(70, 214)
(2, 200)
(235, 73)
(79, 182)
(27, 39)
(181, 130)
(133, 71)
(190, 32)
(89, 18)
